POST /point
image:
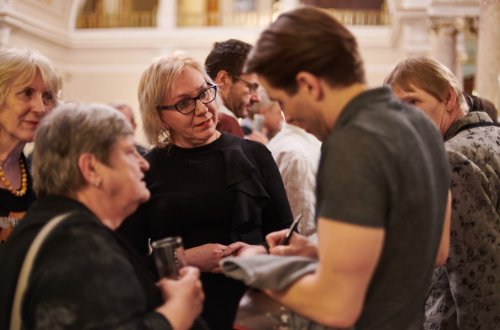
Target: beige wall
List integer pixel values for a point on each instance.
(105, 87)
(111, 71)
(105, 65)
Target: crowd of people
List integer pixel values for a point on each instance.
(396, 189)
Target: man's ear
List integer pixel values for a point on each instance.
(222, 78)
(88, 165)
(450, 102)
(310, 83)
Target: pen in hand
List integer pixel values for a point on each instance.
(290, 231)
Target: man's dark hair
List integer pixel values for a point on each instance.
(306, 39)
(229, 55)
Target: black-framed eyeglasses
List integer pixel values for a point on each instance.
(252, 87)
(188, 105)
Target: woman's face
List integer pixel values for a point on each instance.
(298, 110)
(24, 107)
(426, 102)
(198, 127)
(272, 118)
(123, 177)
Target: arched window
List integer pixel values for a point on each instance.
(354, 12)
(249, 13)
(117, 14)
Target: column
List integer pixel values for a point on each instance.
(286, 5)
(265, 12)
(166, 16)
(444, 41)
(487, 80)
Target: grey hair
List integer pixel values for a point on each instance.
(19, 66)
(63, 135)
(429, 75)
(158, 80)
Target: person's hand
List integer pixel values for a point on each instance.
(207, 256)
(240, 249)
(183, 298)
(298, 245)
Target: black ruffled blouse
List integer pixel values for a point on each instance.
(227, 191)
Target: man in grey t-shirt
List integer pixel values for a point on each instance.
(383, 181)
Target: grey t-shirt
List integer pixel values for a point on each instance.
(384, 166)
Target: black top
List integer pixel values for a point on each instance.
(85, 276)
(13, 208)
(224, 192)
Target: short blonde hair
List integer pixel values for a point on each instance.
(155, 81)
(19, 66)
(429, 75)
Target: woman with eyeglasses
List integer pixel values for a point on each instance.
(222, 194)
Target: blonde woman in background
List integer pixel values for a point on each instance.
(29, 88)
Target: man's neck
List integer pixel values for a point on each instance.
(226, 111)
(337, 98)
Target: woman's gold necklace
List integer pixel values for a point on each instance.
(24, 181)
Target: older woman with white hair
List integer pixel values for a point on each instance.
(29, 88)
(465, 293)
(89, 176)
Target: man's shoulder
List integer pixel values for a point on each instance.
(223, 109)
(229, 124)
(291, 136)
(390, 124)
(294, 148)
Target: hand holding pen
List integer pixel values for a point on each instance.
(287, 243)
(289, 233)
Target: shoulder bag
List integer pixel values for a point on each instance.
(15, 318)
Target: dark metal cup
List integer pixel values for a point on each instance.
(169, 257)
